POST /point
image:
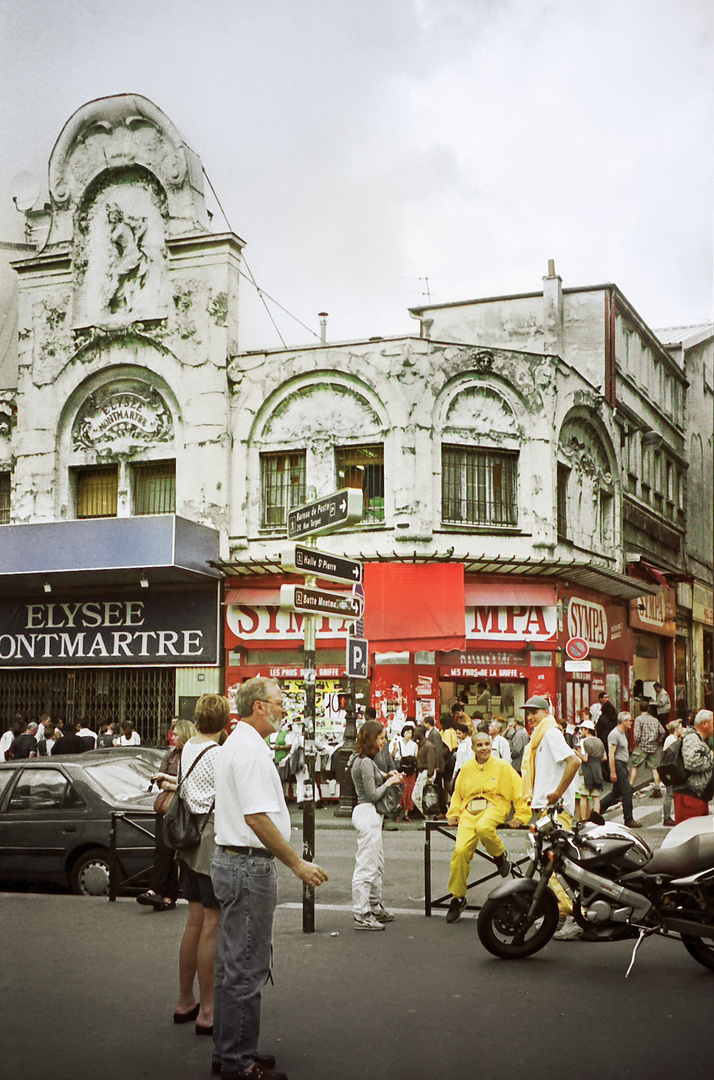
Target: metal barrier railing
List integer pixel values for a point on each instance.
(133, 820)
(443, 901)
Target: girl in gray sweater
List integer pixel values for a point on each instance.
(370, 786)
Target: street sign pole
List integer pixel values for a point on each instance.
(318, 517)
(308, 810)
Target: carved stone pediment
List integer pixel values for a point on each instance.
(318, 413)
(122, 418)
(479, 410)
(116, 133)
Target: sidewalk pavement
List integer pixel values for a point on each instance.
(88, 989)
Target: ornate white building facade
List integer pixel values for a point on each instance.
(147, 467)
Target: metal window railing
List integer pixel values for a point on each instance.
(97, 493)
(479, 487)
(283, 486)
(5, 492)
(155, 488)
(362, 467)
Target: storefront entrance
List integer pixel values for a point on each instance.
(146, 696)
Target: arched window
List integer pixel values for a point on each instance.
(479, 460)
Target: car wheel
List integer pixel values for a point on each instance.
(90, 873)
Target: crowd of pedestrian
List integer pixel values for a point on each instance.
(47, 736)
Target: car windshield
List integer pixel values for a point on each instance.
(122, 780)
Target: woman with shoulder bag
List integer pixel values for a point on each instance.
(199, 938)
(164, 889)
(374, 796)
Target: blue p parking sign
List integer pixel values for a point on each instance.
(357, 662)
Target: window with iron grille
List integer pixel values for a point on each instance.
(478, 487)
(97, 492)
(154, 485)
(283, 486)
(5, 488)
(362, 467)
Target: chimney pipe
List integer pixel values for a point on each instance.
(322, 315)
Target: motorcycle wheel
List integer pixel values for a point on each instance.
(702, 949)
(499, 924)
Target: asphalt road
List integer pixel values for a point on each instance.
(88, 989)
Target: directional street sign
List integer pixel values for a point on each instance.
(305, 560)
(317, 602)
(357, 660)
(357, 628)
(326, 515)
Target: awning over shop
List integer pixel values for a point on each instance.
(414, 606)
(162, 548)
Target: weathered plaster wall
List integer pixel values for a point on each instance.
(699, 363)
(568, 324)
(412, 395)
(130, 296)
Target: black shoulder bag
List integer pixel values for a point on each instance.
(182, 828)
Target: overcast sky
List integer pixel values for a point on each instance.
(361, 147)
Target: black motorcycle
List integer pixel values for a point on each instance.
(617, 887)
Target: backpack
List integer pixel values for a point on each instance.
(671, 768)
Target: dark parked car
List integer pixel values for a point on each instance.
(55, 817)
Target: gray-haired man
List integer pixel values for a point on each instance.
(252, 828)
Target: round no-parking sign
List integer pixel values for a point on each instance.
(577, 648)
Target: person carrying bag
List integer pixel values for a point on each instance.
(183, 829)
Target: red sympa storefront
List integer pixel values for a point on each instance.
(438, 634)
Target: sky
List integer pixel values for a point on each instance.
(378, 154)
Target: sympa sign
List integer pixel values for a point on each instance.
(152, 628)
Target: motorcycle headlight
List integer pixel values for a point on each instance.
(531, 847)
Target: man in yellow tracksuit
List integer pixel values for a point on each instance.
(486, 788)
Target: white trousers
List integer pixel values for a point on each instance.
(369, 864)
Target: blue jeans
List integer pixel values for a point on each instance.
(247, 890)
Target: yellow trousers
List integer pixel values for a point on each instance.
(565, 906)
(474, 829)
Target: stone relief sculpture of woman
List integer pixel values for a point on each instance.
(129, 263)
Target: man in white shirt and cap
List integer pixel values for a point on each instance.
(549, 772)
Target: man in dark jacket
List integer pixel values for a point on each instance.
(607, 720)
(25, 744)
(434, 737)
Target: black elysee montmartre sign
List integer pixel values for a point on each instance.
(326, 515)
(305, 560)
(167, 628)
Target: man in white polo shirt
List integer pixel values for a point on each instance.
(252, 826)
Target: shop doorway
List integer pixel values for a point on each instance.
(483, 699)
(577, 698)
(146, 696)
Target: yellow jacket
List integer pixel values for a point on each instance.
(496, 781)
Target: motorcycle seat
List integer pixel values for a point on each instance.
(693, 855)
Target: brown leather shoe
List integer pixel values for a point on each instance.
(633, 824)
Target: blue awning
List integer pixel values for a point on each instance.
(165, 548)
